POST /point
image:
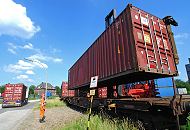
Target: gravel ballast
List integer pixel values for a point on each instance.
(56, 118)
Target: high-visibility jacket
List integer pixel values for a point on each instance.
(42, 108)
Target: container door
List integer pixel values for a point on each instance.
(18, 91)
(152, 43)
(8, 93)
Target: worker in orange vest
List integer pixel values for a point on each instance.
(42, 108)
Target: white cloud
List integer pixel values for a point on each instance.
(30, 72)
(39, 64)
(181, 36)
(179, 42)
(14, 20)
(24, 64)
(54, 50)
(57, 60)
(28, 46)
(21, 66)
(13, 48)
(38, 57)
(41, 57)
(24, 69)
(18, 67)
(22, 77)
(30, 80)
(11, 51)
(11, 68)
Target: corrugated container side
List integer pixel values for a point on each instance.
(65, 91)
(134, 47)
(152, 43)
(71, 93)
(64, 88)
(102, 92)
(15, 92)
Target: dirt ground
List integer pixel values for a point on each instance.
(56, 118)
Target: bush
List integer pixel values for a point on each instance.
(182, 84)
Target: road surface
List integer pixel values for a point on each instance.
(10, 118)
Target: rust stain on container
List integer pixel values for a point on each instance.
(136, 46)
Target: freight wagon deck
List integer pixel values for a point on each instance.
(136, 104)
(178, 103)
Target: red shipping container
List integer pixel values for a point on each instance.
(99, 92)
(64, 88)
(71, 93)
(135, 47)
(14, 94)
(102, 92)
(65, 91)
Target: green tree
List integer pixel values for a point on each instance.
(181, 84)
(2, 88)
(31, 89)
(58, 90)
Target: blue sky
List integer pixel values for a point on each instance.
(57, 32)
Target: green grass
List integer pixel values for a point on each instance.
(1, 101)
(96, 123)
(53, 97)
(51, 103)
(37, 97)
(32, 98)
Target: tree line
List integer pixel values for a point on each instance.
(181, 84)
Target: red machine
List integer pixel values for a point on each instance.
(140, 89)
